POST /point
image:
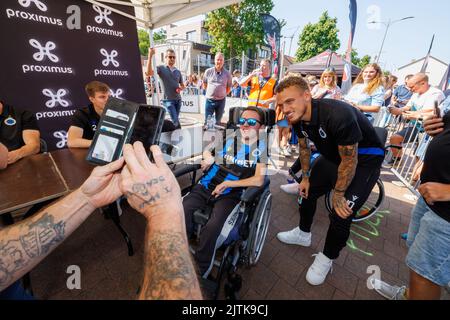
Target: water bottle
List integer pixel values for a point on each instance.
(208, 120)
(210, 123)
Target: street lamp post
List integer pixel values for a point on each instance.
(387, 24)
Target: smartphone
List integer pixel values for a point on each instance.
(148, 125)
(437, 111)
(124, 122)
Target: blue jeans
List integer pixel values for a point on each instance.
(216, 107)
(173, 107)
(294, 138)
(15, 292)
(429, 245)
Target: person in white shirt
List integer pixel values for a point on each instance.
(419, 106)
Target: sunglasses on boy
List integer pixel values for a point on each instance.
(250, 121)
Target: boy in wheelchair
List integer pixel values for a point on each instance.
(225, 176)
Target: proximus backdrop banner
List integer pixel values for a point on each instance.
(50, 49)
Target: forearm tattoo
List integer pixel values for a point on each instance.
(169, 273)
(37, 240)
(347, 167)
(305, 155)
(141, 190)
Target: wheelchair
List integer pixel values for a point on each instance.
(244, 232)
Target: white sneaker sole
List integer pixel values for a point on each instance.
(302, 244)
(314, 283)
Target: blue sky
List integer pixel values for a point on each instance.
(406, 40)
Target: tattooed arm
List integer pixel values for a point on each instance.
(25, 244)
(305, 158)
(3, 156)
(346, 172)
(153, 191)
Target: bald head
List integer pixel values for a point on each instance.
(419, 83)
(420, 77)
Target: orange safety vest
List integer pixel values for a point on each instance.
(258, 95)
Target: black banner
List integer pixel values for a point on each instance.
(52, 48)
(272, 35)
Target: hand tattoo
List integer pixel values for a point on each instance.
(140, 188)
(141, 191)
(339, 201)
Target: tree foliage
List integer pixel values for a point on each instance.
(238, 27)
(318, 37)
(144, 41)
(360, 62)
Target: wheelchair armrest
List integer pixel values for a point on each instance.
(201, 217)
(186, 169)
(251, 193)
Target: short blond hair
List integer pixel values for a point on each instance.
(293, 80)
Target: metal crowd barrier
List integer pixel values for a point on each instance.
(408, 166)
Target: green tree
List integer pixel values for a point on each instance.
(318, 37)
(238, 27)
(357, 61)
(144, 41)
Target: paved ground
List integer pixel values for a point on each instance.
(109, 273)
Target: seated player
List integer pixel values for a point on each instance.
(225, 176)
(19, 132)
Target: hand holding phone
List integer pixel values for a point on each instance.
(124, 122)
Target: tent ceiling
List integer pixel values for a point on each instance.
(317, 64)
(157, 13)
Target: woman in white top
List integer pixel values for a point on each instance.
(367, 93)
(327, 87)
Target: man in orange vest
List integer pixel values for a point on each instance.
(262, 94)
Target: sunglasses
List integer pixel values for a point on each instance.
(171, 57)
(250, 121)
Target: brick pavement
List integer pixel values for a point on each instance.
(108, 273)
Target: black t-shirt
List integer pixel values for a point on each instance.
(436, 166)
(86, 119)
(12, 122)
(335, 123)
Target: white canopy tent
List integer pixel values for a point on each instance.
(152, 14)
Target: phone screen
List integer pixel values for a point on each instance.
(147, 126)
(105, 148)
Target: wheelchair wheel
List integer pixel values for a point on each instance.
(258, 229)
(369, 208)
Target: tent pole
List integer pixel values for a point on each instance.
(155, 73)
